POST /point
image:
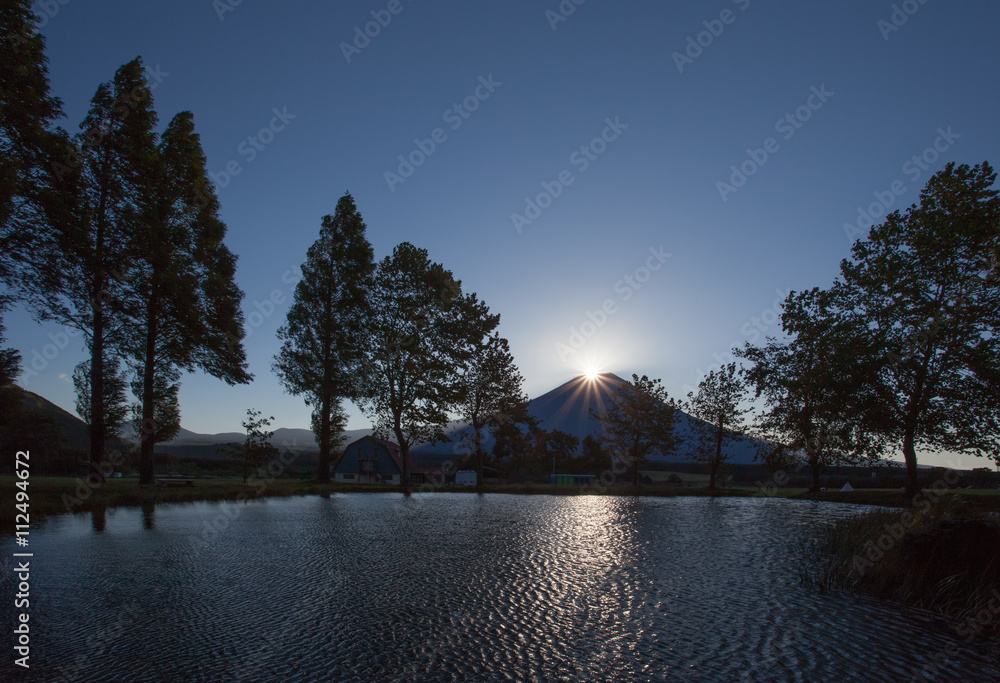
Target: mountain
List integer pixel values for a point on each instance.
(569, 408)
(75, 435)
(73, 429)
(290, 438)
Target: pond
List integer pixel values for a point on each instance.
(459, 587)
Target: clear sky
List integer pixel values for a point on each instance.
(626, 117)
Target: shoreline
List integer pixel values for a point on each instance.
(52, 496)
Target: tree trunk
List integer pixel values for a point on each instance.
(147, 474)
(635, 464)
(910, 427)
(97, 427)
(910, 456)
(717, 460)
(477, 429)
(323, 471)
(246, 457)
(817, 467)
(404, 455)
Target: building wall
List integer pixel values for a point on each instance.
(355, 478)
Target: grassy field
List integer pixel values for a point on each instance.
(686, 477)
(59, 495)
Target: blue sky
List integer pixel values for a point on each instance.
(621, 119)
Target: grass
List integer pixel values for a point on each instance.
(943, 557)
(658, 477)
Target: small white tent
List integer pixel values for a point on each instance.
(847, 487)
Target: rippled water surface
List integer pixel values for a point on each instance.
(454, 587)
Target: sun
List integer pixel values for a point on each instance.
(591, 374)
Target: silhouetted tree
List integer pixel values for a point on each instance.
(77, 276)
(422, 332)
(10, 359)
(183, 300)
(639, 421)
(115, 401)
(922, 293)
(717, 407)
(27, 111)
(325, 331)
(490, 383)
(814, 402)
(554, 452)
(166, 418)
(257, 448)
(512, 435)
(594, 457)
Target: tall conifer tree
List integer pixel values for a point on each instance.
(27, 112)
(324, 332)
(183, 297)
(78, 277)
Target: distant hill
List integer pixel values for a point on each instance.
(294, 439)
(73, 428)
(58, 440)
(568, 408)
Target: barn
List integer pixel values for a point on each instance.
(369, 461)
(376, 461)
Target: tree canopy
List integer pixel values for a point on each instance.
(924, 304)
(811, 384)
(422, 332)
(488, 388)
(717, 407)
(639, 421)
(27, 113)
(325, 331)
